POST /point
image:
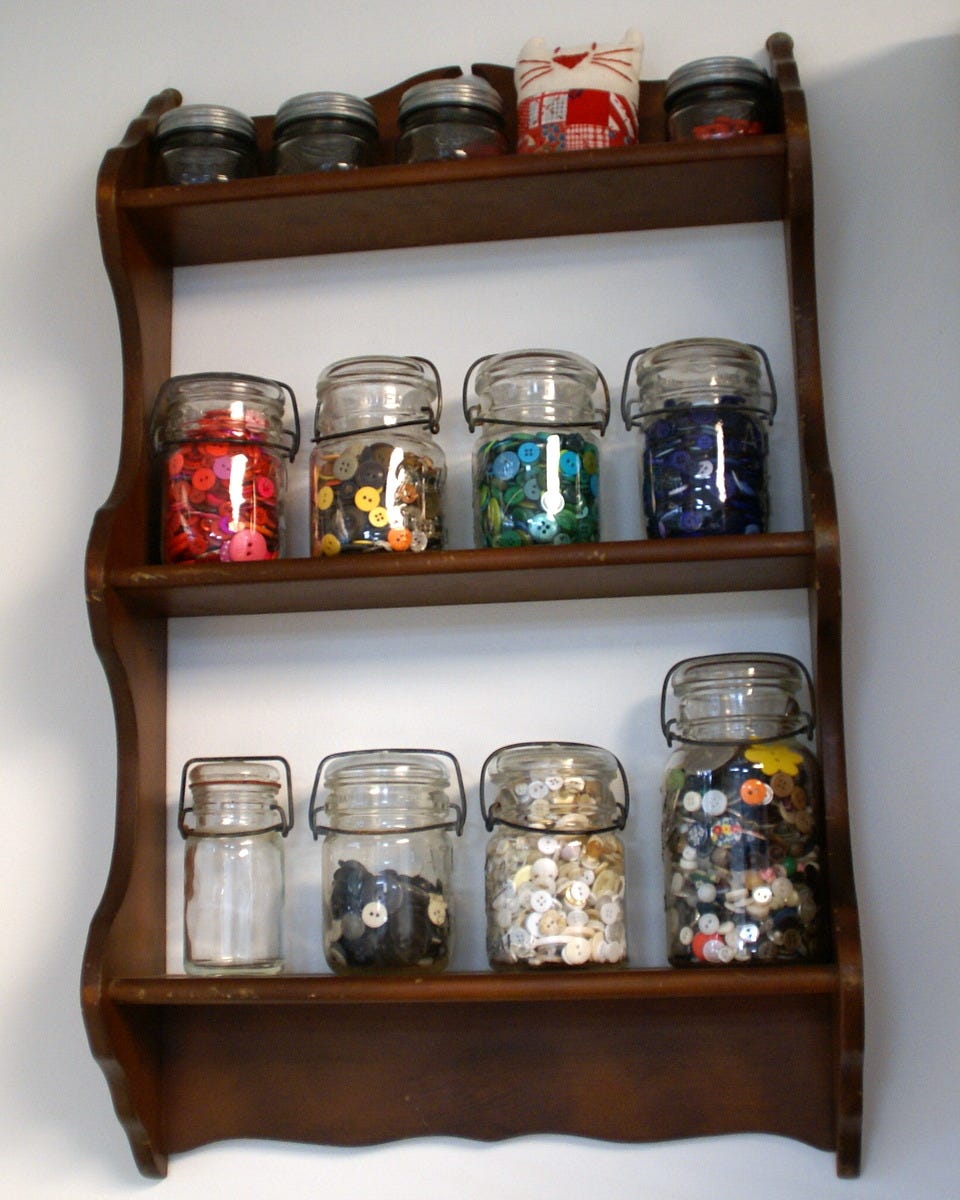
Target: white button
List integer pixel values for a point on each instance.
(610, 912)
(575, 783)
(541, 900)
(707, 893)
(714, 949)
(577, 893)
(577, 918)
(691, 801)
(544, 869)
(537, 789)
(374, 914)
(709, 923)
(714, 802)
(576, 952)
(554, 782)
(749, 933)
(548, 845)
(763, 894)
(685, 936)
(532, 924)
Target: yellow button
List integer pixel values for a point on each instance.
(367, 498)
(329, 544)
(324, 497)
(379, 517)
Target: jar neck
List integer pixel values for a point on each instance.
(383, 807)
(249, 810)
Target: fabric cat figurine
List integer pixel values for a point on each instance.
(581, 98)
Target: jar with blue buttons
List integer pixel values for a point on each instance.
(324, 131)
(377, 473)
(206, 143)
(743, 819)
(704, 407)
(387, 817)
(555, 877)
(233, 823)
(536, 465)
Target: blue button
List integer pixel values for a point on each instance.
(569, 463)
(505, 465)
(528, 452)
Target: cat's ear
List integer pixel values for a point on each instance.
(634, 38)
(535, 48)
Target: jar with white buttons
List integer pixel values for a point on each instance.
(703, 407)
(206, 143)
(233, 825)
(223, 447)
(555, 875)
(536, 466)
(377, 473)
(386, 817)
(742, 816)
(324, 131)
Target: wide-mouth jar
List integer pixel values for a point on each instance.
(324, 131)
(718, 98)
(206, 143)
(449, 119)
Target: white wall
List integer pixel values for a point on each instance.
(882, 89)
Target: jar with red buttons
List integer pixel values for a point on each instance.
(555, 877)
(223, 448)
(743, 817)
(377, 474)
(719, 98)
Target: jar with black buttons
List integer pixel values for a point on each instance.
(233, 826)
(377, 474)
(386, 817)
(742, 813)
(555, 877)
(324, 131)
(703, 407)
(536, 467)
(450, 118)
(718, 98)
(206, 143)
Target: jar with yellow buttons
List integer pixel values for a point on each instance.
(377, 474)
(742, 817)
(555, 878)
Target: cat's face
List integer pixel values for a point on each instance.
(610, 68)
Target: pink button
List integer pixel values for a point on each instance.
(265, 487)
(248, 546)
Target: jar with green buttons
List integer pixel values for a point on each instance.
(555, 870)
(536, 464)
(377, 473)
(743, 820)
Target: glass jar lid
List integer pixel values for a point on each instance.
(225, 406)
(233, 773)
(532, 386)
(310, 105)
(466, 91)
(216, 118)
(244, 791)
(377, 392)
(706, 72)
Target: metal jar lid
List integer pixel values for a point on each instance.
(704, 72)
(215, 118)
(312, 105)
(468, 91)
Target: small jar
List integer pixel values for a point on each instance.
(233, 827)
(718, 98)
(223, 452)
(377, 475)
(386, 817)
(703, 406)
(536, 468)
(450, 118)
(206, 143)
(742, 814)
(324, 131)
(555, 877)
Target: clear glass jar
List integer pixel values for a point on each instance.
(206, 143)
(536, 469)
(718, 98)
(223, 453)
(233, 880)
(450, 118)
(555, 877)
(387, 816)
(377, 475)
(742, 817)
(703, 406)
(324, 131)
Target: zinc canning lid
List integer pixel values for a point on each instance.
(216, 117)
(309, 105)
(720, 69)
(468, 91)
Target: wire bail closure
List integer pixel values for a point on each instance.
(473, 414)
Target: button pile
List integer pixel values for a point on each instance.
(726, 127)
(742, 856)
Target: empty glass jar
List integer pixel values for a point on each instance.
(718, 98)
(450, 118)
(703, 406)
(233, 826)
(386, 817)
(555, 877)
(742, 816)
(536, 467)
(324, 131)
(206, 143)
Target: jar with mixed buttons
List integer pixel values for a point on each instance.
(555, 877)
(742, 816)
(223, 450)
(377, 474)
(386, 817)
(206, 143)
(233, 826)
(536, 468)
(703, 406)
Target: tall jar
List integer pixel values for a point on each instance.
(536, 467)
(233, 825)
(450, 118)
(206, 143)
(223, 450)
(386, 817)
(324, 131)
(742, 816)
(704, 407)
(377, 474)
(718, 98)
(555, 876)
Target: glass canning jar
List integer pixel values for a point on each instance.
(377, 475)
(387, 868)
(206, 143)
(742, 817)
(450, 118)
(536, 469)
(223, 452)
(718, 98)
(555, 876)
(233, 880)
(703, 406)
(324, 131)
